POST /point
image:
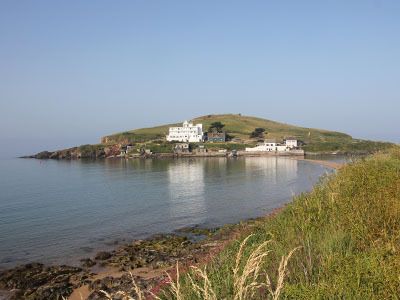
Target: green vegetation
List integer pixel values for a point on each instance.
(241, 128)
(216, 126)
(227, 146)
(340, 241)
(351, 146)
(238, 126)
(164, 147)
(258, 133)
(168, 147)
(128, 137)
(91, 151)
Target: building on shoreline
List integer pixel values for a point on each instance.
(274, 146)
(216, 137)
(201, 149)
(291, 142)
(182, 148)
(188, 133)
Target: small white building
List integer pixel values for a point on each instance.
(272, 146)
(181, 148)
(269, 146)
(291, 142)
(187, 133)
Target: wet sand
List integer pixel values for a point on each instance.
(325, 163)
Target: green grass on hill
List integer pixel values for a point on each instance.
(348, 231)
(239, 126)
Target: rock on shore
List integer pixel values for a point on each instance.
(85, 151)
(36, 281)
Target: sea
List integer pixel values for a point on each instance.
(59, 211)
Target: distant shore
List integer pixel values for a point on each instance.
(68, 156)
(73, 154)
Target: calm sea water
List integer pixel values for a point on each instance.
(60, 211)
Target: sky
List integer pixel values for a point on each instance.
(73, 71)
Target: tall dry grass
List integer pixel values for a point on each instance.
(123, 295)
(248, 273)
(246, 279)
(250, 278)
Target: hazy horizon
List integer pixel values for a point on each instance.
(75, 71)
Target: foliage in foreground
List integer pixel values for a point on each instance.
(346, 232)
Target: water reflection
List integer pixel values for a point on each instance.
(273, 169)
(287, 168)
(186, 191)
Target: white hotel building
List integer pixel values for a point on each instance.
(187, 133)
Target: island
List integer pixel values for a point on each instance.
(219, 135)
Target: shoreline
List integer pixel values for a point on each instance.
(49, 155)
(304, 156)
(147, 260)
(325, 163)
(106, 268)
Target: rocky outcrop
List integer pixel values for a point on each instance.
(43, 155)
(36, 281)
(102, 255)
(85, 151)
(160, 251)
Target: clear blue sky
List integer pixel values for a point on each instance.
(72, 71)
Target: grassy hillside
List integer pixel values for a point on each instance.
(239, 126)
(340, 241)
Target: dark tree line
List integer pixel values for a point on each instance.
(258, 133)
(216, 127)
